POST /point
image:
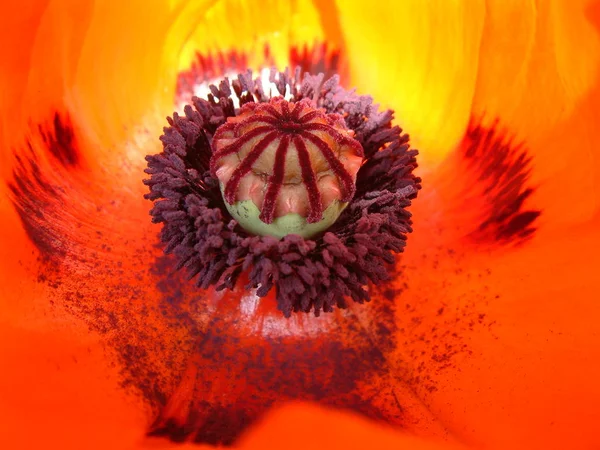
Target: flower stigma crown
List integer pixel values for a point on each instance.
(285, 168)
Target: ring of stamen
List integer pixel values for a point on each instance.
(315, 274)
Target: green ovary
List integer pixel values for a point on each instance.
(247, 214)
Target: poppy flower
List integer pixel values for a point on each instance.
(482, 335)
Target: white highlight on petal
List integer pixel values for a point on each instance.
(276, 325)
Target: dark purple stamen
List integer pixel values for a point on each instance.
(316, 274)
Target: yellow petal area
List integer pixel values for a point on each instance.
(419, 58)
(125, 74)
(538, 73)
(248, 28)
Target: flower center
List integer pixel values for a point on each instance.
(285, 168)
(285, 171)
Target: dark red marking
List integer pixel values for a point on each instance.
(207, 67)
(310, 182)
(273, 112)
(317, 58)
(232, 379)
(35, 197)
(501, 170)
(235, 147)
(336, 135)
(285, 110)
(296, 112)
(276, 180)
(60, 141)
(308, 116)
(246, 166)
(335, 165)
(257, 119)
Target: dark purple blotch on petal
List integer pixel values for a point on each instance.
(35, 194)
(502, 171)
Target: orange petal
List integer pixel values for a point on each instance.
(305, 425)
(58, 388)
(125, 74)
(105, 105)
(27, 95)
(73, 67)
(539, 73)
(567, 166)
(536, 62)
(57, 375)
(301, 426)
(114, 88)
(502, 346)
